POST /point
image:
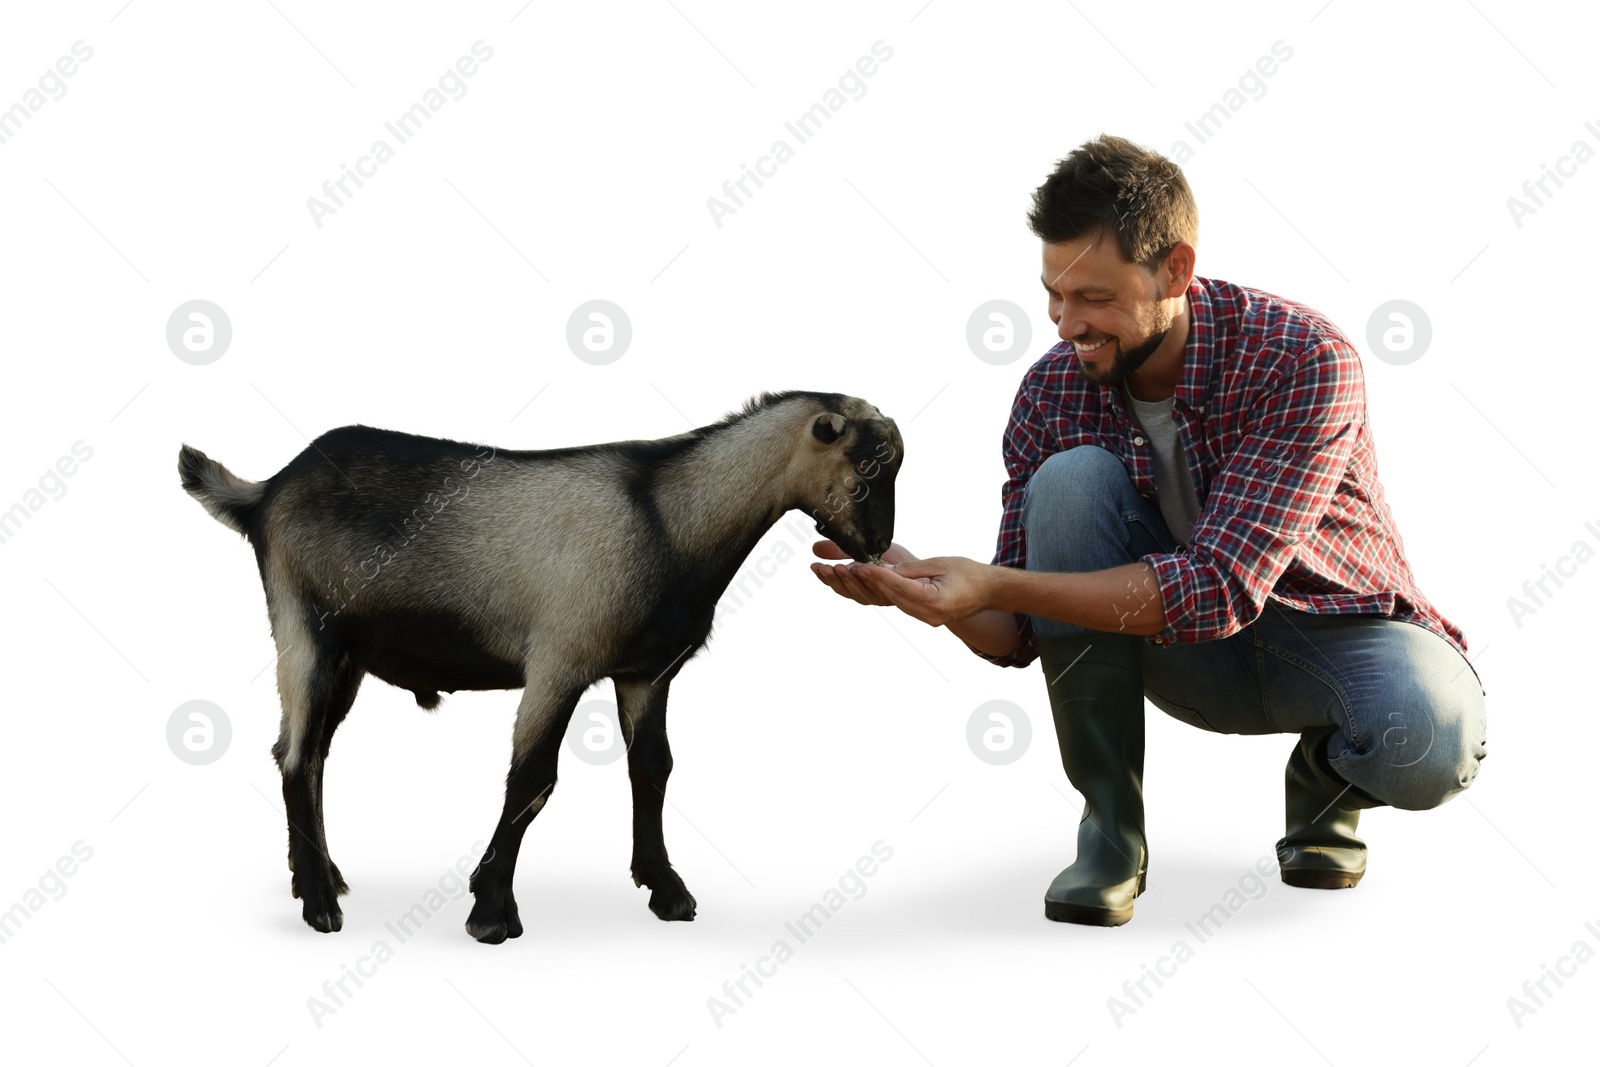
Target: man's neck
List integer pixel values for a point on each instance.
(1158, 378)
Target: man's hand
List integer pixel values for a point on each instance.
(982, 604)
(842, 579)
(936, 591)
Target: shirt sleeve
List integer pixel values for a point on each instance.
(1269, 497)
(1025, 446)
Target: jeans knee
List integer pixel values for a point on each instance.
(1434, 783)
(1459, 767)
(1083, 465)
(1076, 510)
(1426, 757)
(1073, 482)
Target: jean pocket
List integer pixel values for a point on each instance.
(1148, 533)
(1184, 715)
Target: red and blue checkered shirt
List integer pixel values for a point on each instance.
(1272, 413)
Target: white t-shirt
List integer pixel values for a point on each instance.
(1174, 486)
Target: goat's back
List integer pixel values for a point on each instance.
(384, 522)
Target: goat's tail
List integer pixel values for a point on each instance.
(230, 499)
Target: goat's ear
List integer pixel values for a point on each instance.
(829, 427)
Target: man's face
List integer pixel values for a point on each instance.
(1115, 313)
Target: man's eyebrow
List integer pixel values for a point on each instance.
(1081, 289)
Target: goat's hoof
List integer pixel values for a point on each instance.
(326, 918)
(672, 905)
(492, 923)
(319, 899)
(670, 899)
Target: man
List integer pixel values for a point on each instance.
(1193, 515)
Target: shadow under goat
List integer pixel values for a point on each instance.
(437, 566)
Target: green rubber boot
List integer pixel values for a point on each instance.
(1097, 700)
(1320, 849)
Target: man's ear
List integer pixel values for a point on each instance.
(829, 427)
(1179, 269)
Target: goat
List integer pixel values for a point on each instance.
(437, 565)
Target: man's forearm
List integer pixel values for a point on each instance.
(1122, 599)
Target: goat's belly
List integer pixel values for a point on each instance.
(427, 652)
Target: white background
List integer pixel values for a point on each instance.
(1375, 166)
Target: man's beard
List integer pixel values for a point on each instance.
(1130, 360)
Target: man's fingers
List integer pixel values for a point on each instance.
(883, 586)
(889, 587)
(828, 578)
(922, 568)
(898, 553)
(915, 598)
(886, 579)
(840, 581)
(860, 589)
(829, 550)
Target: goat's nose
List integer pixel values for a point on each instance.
(881, 543)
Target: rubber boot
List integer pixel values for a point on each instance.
(1097, 700)
(1320, 849)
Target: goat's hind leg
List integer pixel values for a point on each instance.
(643, 708)
(317, 684)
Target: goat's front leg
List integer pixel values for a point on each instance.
(536, 742)
(643, 708)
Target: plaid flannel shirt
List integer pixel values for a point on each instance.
(1272, 413)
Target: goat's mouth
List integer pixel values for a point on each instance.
(856, 547)
(853, 547)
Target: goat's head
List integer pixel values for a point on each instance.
(843, 473)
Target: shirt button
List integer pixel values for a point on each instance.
(1138, 440)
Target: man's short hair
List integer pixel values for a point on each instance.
(1111, 185)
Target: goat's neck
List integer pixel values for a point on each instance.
(729, 490)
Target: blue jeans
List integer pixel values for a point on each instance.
(1407, 707)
